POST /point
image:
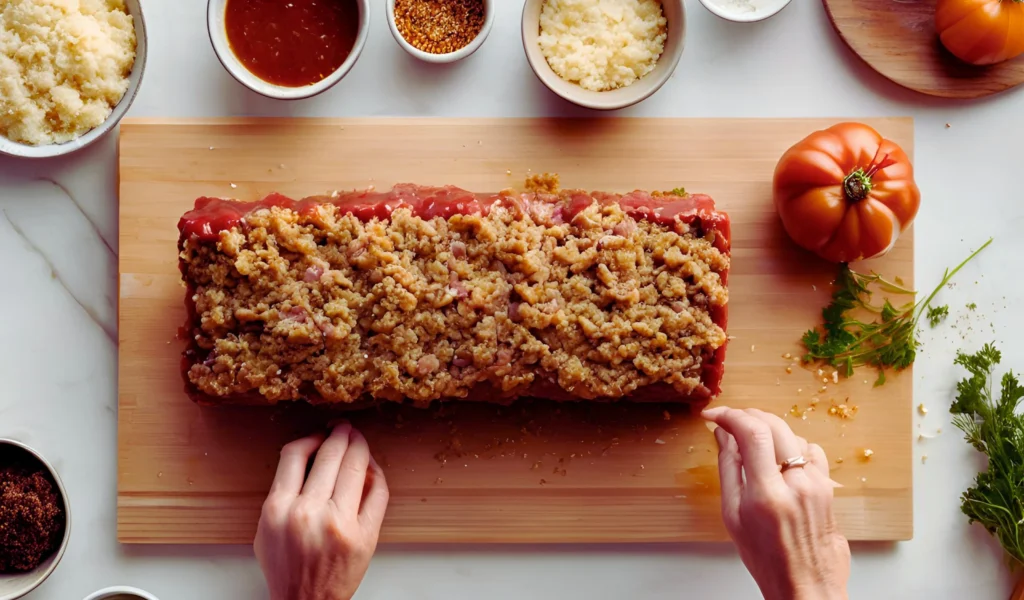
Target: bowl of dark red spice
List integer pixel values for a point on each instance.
(288, 49)
(35, 523)
(440, 31)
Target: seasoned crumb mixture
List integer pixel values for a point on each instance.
(31, 519)
(545, 183)
(439, 26)
(288, 303)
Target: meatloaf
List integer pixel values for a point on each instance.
(435, 293)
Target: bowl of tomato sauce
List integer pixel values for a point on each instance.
(288, 49)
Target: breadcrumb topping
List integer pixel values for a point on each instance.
(291, 303)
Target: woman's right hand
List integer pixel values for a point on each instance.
(318, 532)
(782, 522)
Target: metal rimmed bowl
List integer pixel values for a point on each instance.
(16, 585)
(675, 14)
(448, 57)
(120, 591)
(12, 148)
(215, 25)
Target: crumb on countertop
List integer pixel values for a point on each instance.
(543, 183)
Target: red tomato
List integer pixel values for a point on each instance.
(846, 193)
(981, 32)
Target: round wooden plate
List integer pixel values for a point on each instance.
(897, 38)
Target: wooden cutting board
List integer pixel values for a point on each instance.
(897, 38)
(531, 472)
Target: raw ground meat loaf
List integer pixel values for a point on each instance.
(437, 293)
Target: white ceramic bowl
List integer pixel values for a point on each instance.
(120, 590)
(18, 584)
(134, 80)
(227, 58)
(641, 89)
(451, 56)
(772, 8)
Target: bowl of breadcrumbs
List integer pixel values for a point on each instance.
(440, 31)
(68, 72)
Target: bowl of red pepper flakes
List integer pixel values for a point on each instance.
(440, 31)
(35, 519)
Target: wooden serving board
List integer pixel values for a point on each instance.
(532, 472)
(897, 38)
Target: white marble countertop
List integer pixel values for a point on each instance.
(58, 302)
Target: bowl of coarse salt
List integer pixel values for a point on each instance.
(745, 11)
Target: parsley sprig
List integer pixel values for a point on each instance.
(937, 314)
(846, 341)
(993, 427)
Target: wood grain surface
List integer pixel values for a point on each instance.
(897, 38)
(532, 472)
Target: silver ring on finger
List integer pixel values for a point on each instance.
(793, 463)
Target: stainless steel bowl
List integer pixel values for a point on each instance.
(120, 591)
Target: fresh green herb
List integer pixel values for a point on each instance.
(937, 314)
(992, 426)
(846, 342)
(972, 306)
(679, 191)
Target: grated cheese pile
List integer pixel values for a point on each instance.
(602, 44)
(64, 66)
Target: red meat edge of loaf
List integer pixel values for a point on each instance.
(211, 216)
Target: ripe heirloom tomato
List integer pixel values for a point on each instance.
(981, 32)
(846, 193)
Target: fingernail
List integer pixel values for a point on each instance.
(836, 484)
(713, 413)
(720, 437)
(336, 423)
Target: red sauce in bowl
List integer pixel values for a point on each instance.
(292, 43)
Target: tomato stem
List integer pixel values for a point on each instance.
(886, 161)
(857, 184)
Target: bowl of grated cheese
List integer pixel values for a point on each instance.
(745, 11)
(605, 56)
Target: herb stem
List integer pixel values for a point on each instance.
(947, 277)
(889, 341)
